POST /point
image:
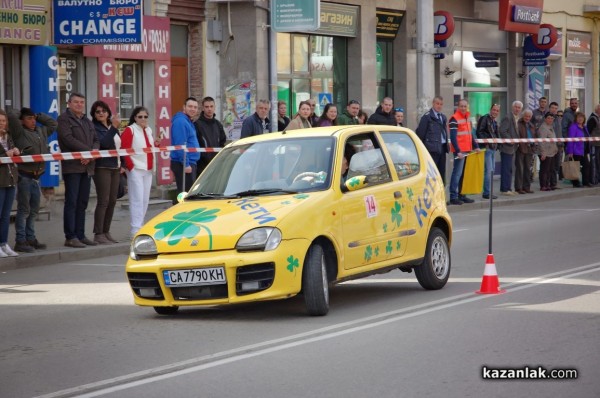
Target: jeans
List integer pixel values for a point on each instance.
(506, 167)
(489, 166)
(523, 171)
(77, 195)
(7, 196)
(107, 187)
(457, 170)
(28, 206)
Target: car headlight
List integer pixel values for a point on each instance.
(265, 238)
(142, 246)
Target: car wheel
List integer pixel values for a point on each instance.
(434, 272)
(315, 284)
(166, 310)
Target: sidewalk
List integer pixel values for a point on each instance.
(50, 231)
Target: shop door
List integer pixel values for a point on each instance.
(179, 83)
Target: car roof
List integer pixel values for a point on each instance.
(330, 131)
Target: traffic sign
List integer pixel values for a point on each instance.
(295, 15)
(325, 98)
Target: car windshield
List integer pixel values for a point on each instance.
(282, 166)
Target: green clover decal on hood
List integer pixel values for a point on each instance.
(186, 225)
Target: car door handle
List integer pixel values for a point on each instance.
(397, 194)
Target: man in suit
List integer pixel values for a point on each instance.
(433, 132)
(508, 129)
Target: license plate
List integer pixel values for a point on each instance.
(195, 276)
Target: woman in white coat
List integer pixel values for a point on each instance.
(137, 135)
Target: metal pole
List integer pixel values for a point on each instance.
(273, 73)
(491, 209)
(425, 60)
(183, 183)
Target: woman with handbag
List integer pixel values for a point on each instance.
(547, 151)
(137, 135)
(106, 174)
(579, 151)
(8, 184)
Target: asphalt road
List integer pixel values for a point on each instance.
(72, 330)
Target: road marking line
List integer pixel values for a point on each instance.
(176, 369)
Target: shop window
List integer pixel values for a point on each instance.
(479, 69)
(385, 76)
(311, 67)
(575, 84)
(127, 87)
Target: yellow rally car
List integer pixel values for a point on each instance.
(280, 214)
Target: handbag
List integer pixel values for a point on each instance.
(570, 169)
(122, 185)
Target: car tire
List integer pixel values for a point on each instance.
(315, 284)
(166, 310)
(434, 272)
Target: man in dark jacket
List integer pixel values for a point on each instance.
(209, 131)
(76, 133)
(258, 123)
(384, 113)
(487, 127)
(433, 132)
(31, 140)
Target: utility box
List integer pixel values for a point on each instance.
(214, 30)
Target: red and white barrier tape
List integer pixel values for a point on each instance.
(532, 140)
(109, 153)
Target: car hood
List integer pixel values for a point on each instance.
(206, 225)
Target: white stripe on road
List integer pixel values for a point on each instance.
(177, 369)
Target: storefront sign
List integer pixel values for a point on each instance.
(520, 15)
(528, 15)
(388, 22)
(579, 45)
(43, 78)
(338, 20)
(24, 22)
(155, 45)
(546, 37)
(97, 21)
(294, 15)
(443, 25)
(162, 94)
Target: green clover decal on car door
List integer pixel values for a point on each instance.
(186, 225)
(293, 263)
(396, 216)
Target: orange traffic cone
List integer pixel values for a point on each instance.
(490, 283)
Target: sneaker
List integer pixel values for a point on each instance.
(24, 247)
(464, 199)
(101, 239)
(110, 238)
(455, 202)
(488, 196)
(36, 244)
(88, 242)
(8, 251)
(74, 243)
(2, 254)
(507, 193)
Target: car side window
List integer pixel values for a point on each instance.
(368, 159)
(404, 153)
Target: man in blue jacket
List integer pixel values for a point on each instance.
(183, 132)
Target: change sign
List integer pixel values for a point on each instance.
(97, 21)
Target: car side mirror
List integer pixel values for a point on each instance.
(181, 196)
(355, 183)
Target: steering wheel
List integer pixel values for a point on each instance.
(306, 174)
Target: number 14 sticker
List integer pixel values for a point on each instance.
(371, 206)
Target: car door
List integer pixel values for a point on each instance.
(371, 215)
(418, 188)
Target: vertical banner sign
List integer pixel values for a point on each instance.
(107, 82)
(535, 86)
(43, 77)
(162, 93)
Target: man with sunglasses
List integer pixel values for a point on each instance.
(76, 133)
